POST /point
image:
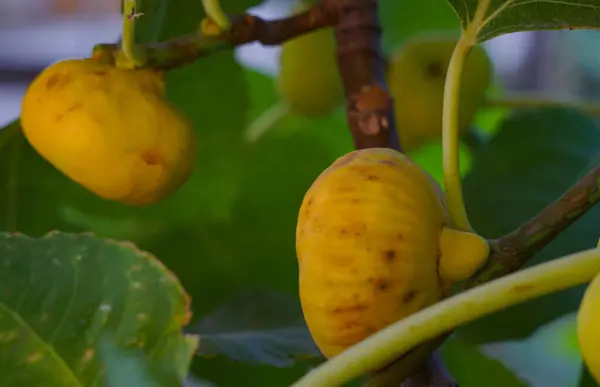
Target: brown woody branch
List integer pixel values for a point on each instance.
(245, 28)
(370, 109)
(511, 251)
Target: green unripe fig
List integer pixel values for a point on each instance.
(416, 77)
(308, 82)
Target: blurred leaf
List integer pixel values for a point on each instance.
(508, 16)
(471, 368)
(585, 379)
(400, 19)
(123, 368)
(256, 246)
(175, 16)
(257, 327)
(61, 292)
(549, 357)
(192, 381)
(531, 161)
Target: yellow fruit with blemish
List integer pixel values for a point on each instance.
(417, 75)
(373, 246)
(110, 130)
(588, 328)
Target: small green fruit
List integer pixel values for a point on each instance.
(417, 76)
(309, 81)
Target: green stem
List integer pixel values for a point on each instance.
(450, 119)
(450, 137)
(535, 101)
(215, 13)
(392, 342)
(132, 53)
(267, 120)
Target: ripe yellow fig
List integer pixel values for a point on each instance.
(416, 76)
(110, 130)
(588, 328)
(308, 82)
(373, 247)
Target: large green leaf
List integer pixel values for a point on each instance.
(548, 357)
(164, 19)
(507, 16)
(400, 19)
(472, 368)
(257, 327)
(531, 161)
(61, 293)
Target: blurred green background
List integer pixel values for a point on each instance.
(228, 234)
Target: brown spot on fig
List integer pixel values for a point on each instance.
(409, 296)
(75, 106)
(400, 237)
(152, 157)
(57, 80)
(373, 177)
(435, 70)
(351, 324)
(100, 73)
(350, 309)
(380, 284)
(389, 255)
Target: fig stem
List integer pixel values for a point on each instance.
(450, 120)
(270, 118)
(392, 342)
(133, 53)
(538, 101)
(215, 13)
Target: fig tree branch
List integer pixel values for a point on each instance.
(244, 28)
(511, 251)
(369, 105)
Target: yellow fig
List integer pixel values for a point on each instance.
(588, 328)
(370, 240)
(416, 77)
(110, 130)
(308, 82)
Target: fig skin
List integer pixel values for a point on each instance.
(370, 234)
(309, 81)
(110, 130)
(588, 327)
(416, 76)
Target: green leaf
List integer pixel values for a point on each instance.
(124, 368)
(401, 19)
(61, 293)
(472, 368)
(585, 379)
(163, 19)
(257, 327)
(532, 160)
(548, 357)
(507, 16)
